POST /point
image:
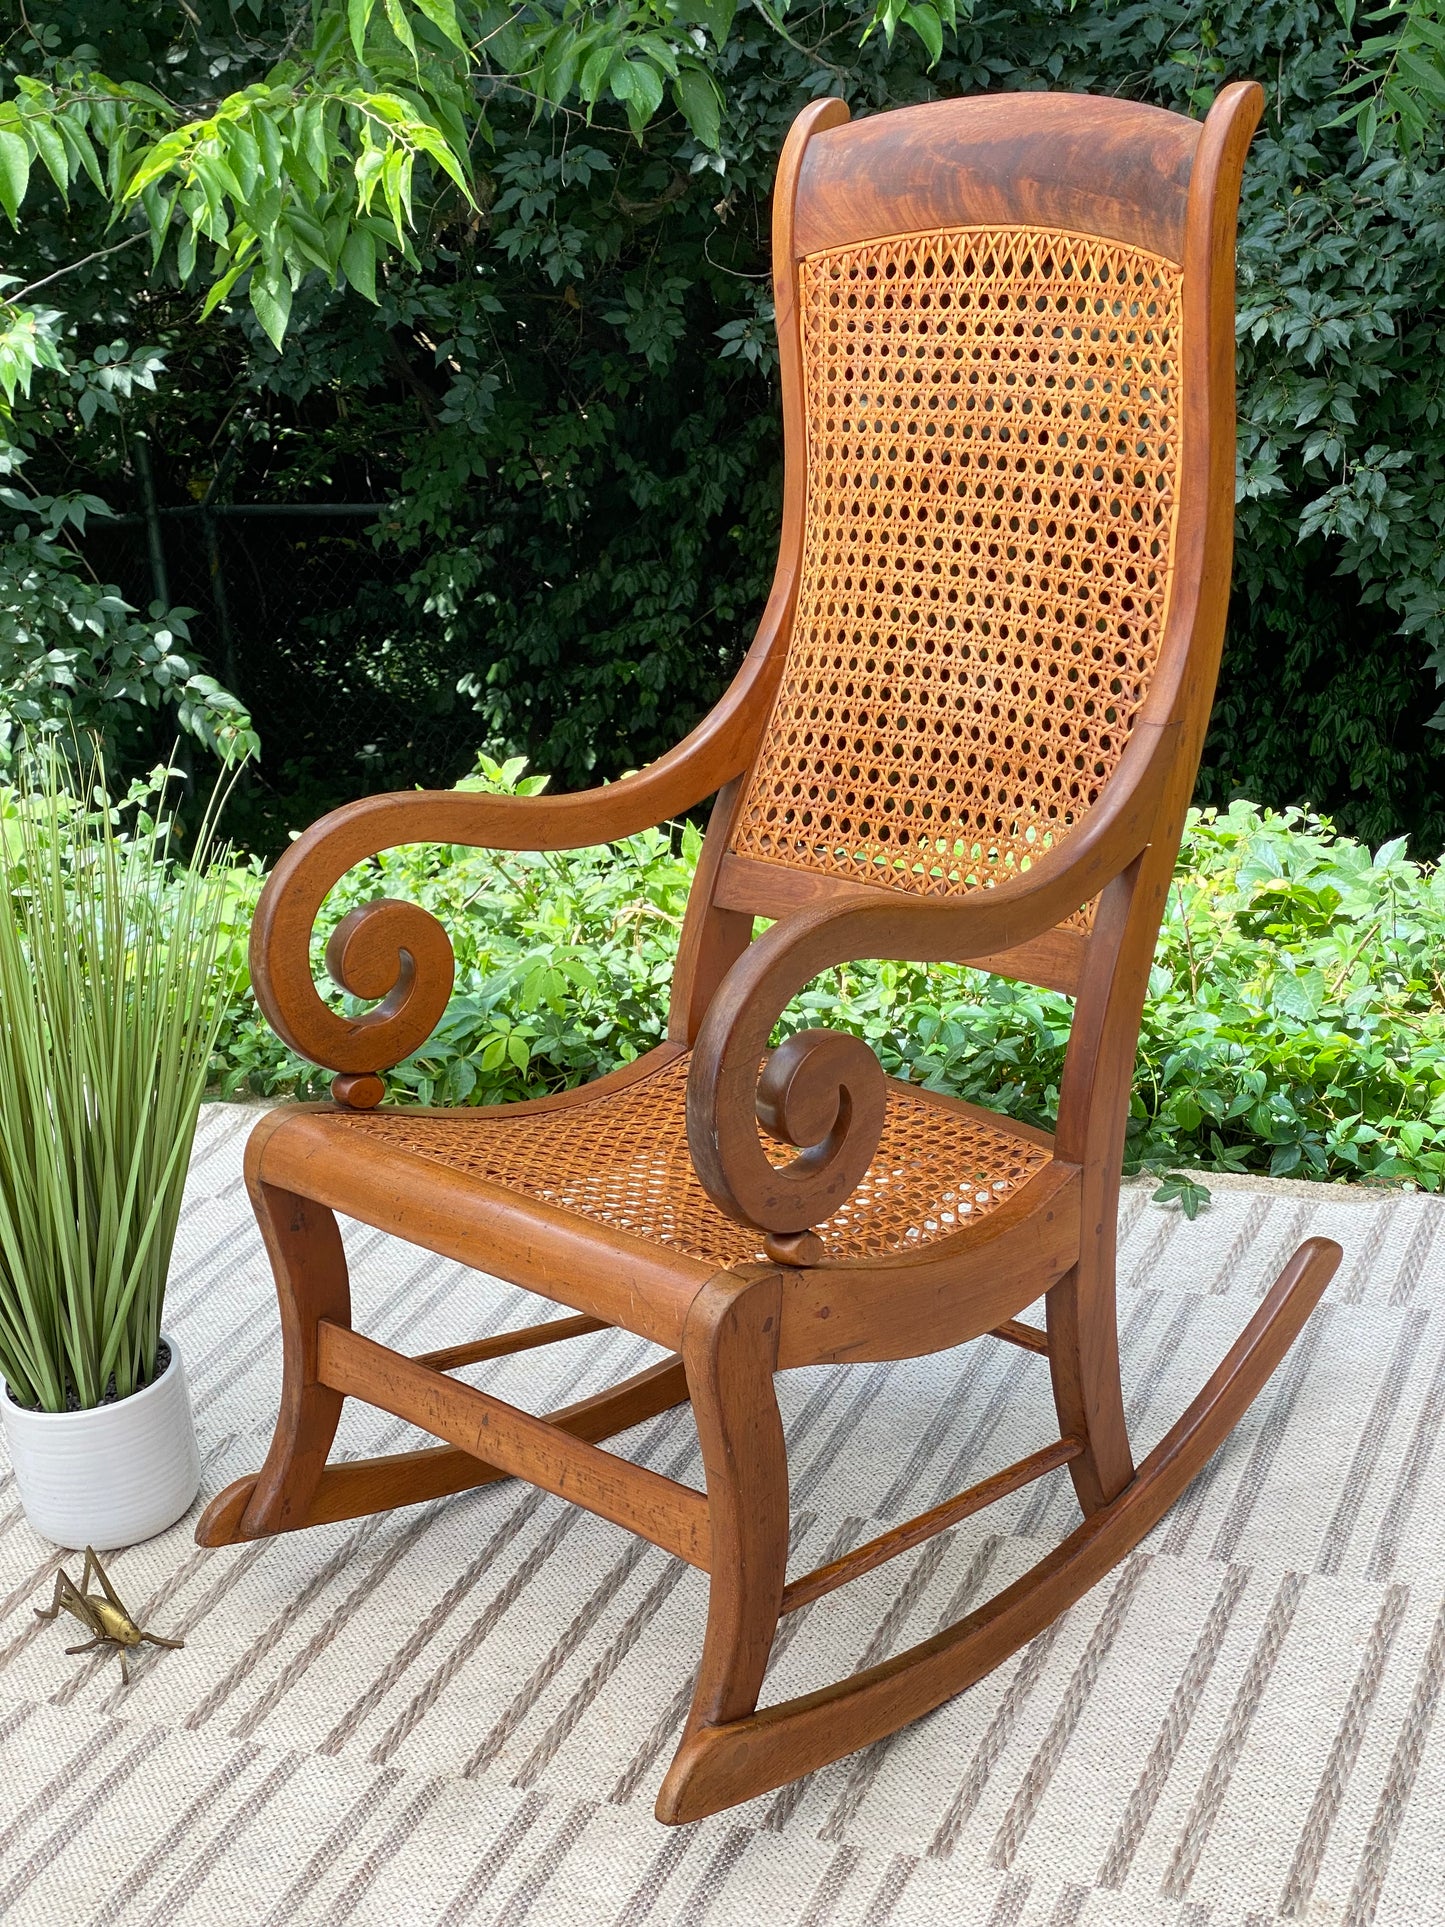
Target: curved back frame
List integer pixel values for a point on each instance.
(1006, 332)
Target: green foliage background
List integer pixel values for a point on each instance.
(565, 396)
(1295, 1023)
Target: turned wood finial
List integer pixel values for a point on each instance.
(358, 1091)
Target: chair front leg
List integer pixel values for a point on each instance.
(309, 1263)
(730, 1348)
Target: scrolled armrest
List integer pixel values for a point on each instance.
(397, 951)
(823, 1091)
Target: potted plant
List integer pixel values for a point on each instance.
(113, 981)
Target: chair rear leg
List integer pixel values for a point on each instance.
(311, 1284)
(730, 1348)
(1083, 1324)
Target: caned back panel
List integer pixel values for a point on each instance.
(993, 449)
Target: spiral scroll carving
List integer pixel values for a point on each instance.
(388, 950)
(823, 1092)
(399, 953)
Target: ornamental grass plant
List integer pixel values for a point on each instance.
(114, 978)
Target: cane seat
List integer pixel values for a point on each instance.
(619, 1157)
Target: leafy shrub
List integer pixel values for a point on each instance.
(74, 654)
(1295, 1022)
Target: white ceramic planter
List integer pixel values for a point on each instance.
(111, 1476)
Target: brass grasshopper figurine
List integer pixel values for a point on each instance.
(102, 1616)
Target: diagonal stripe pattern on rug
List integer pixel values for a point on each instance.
(460, 1713)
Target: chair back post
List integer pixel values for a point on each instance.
(1099, 1068)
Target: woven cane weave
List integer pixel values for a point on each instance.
(621, 1159)
(993, 444)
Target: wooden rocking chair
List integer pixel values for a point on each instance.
(968, 729)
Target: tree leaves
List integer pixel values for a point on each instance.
(271, 304)
(40, 124)
(14, 172)
(358, 262)
(278, 180)
(926, 18)
(1327, 682)
(285, 171)
(1401, 75)
(696, 93)
(29, 340)
(74, 653)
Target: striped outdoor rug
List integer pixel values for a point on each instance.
(460, 1713)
